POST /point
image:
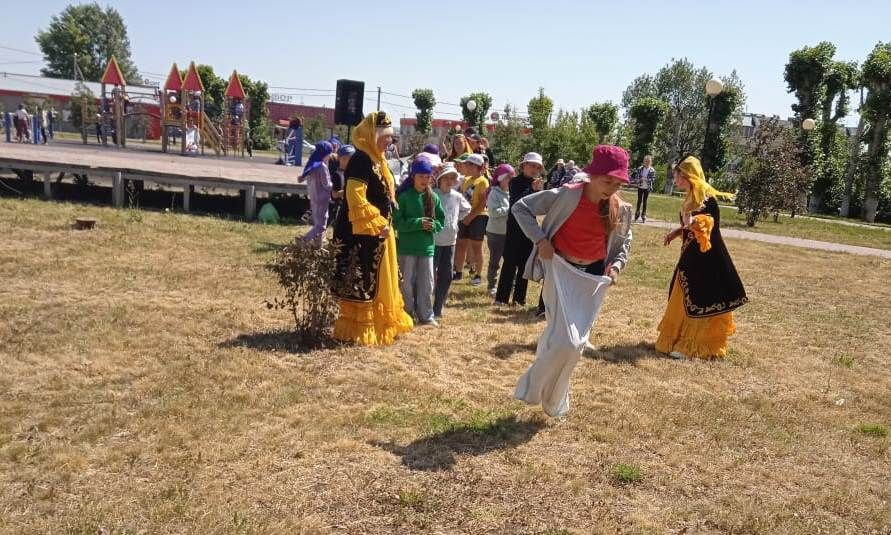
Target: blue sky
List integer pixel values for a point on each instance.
(580, 52)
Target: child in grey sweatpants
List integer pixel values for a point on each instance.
(456, 208)
(498, 206)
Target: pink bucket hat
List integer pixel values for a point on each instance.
(504, 170)
(608, 160)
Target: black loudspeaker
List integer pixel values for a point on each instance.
(348, 103)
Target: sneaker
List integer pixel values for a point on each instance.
(677, 355)
(500, 304)
(476, 281)
(430, 322)
(644, 219)
(456, 276)
(492, 292)
(636, 218)
(540, 314)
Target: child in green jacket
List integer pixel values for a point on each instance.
(417, 218)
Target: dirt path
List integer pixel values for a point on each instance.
(786, 240)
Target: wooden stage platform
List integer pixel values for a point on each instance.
(164, 169)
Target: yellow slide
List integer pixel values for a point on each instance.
(211, 135)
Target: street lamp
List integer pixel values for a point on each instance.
(808, 124)
(471, 105)
(712, 88)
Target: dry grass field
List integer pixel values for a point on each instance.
(145, 388)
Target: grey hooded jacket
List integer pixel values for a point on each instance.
(557, 205)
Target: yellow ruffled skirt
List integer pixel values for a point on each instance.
(380, 321)
(694, 337)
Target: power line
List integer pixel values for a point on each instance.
(301, 89)
(18, 62)
(20, 50)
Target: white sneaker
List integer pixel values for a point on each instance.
(677, 355)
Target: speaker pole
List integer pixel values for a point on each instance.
(378, 98)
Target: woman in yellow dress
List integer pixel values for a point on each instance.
(705, 288)
(366, 280)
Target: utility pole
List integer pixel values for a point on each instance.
(378, 98)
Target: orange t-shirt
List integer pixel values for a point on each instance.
(583, 235)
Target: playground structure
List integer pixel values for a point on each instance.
(115, 107)
(235, 115)
(182, 112)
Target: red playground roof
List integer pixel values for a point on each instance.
(113, 74)
(193, 81)
(234, 89)
(174, 79)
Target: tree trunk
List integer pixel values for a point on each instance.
(669, 182)
(876, 156)
(853, 158)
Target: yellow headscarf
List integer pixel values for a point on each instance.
(365, 139)
(700, 190)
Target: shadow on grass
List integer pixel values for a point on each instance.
(437, 452)
(506, 351)
(624, 353)
(517, 314)
(279, 341)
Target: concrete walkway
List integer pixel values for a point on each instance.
(787, 240)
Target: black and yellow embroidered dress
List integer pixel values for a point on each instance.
(704, 291)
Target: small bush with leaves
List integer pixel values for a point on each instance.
(305, 271)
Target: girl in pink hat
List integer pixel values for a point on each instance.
(498, 206)
(579, 249)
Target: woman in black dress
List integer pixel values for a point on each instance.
(705, 288)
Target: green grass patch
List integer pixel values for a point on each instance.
(872, 430)
(626, 473)
(833, 230)
(412, 498)
(843, 361)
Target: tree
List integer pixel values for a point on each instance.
(771, 174)
(539, 110)
(646, 115)
(641, 87)
(682, 86)
(509, 140)
(424, 101)
(214, 91)
(821, 84)
(314, 128)
(80, 94)
(877, 112)
(478, 116)
(90, 34)
(605, 117)
(258, 122)
(714, 148)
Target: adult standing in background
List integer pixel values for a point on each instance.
(555, 177)
(644, 177)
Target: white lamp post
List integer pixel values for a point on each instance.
(808, 124)
(471, 105)
(713, 87)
